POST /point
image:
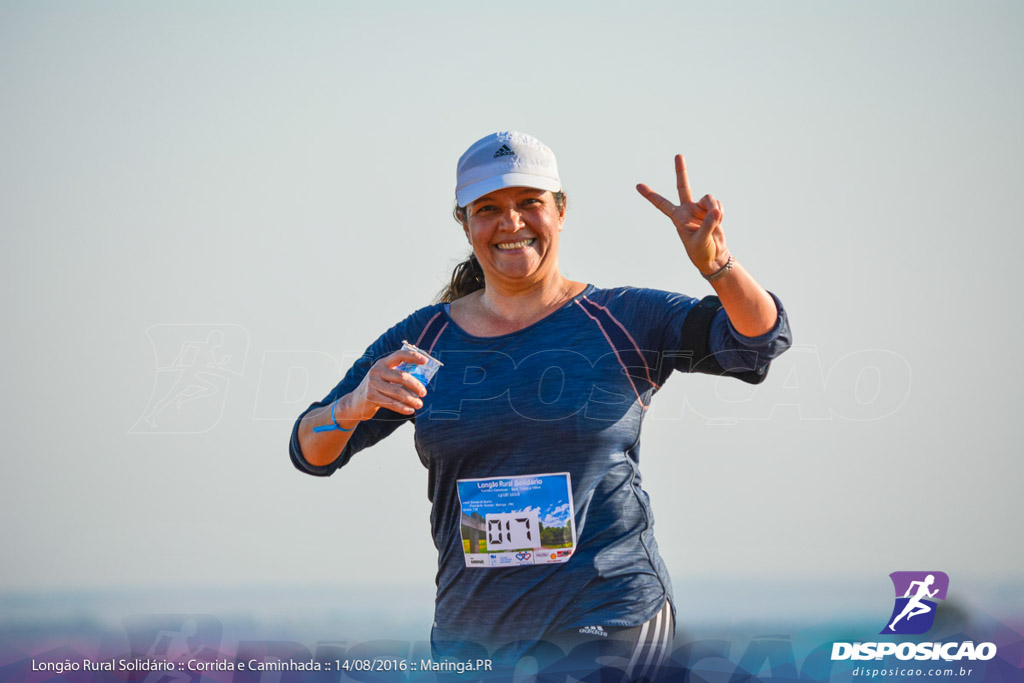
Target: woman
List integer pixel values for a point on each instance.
(530, 430)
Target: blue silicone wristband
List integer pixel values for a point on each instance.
(334, 419)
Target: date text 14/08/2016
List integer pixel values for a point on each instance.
(459, 667)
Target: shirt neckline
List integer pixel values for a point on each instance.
(451, 321)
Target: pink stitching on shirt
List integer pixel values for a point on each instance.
(632, 341)
(427, 327)
(614, 350)
(436, 337)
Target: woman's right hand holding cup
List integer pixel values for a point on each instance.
(386, 386)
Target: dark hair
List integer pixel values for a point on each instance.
(468, 276)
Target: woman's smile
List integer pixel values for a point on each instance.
(514, 246)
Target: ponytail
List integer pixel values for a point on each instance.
(467, 277)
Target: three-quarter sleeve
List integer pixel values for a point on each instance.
(675, 332)
(368, 432)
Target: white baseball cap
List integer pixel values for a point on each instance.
(505, 159)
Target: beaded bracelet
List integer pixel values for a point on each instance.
(721, 272)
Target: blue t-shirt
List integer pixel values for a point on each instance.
(565, 395)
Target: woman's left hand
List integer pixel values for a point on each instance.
(699, 224)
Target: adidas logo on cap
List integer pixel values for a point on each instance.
(503, 152)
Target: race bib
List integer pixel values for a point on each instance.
(517, 521)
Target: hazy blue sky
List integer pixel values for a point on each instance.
(283, 174)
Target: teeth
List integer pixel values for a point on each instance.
(515, 245)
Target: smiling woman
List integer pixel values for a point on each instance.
(468, 276)
(515, 231)
(531, 429)
(514, 234)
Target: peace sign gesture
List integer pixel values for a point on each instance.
(699, 224)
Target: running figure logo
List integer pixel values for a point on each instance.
(194, 366)
(916, 596)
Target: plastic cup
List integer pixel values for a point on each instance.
(424, 373)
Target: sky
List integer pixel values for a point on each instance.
(282, 177)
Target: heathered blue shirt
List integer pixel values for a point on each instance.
(565, 395)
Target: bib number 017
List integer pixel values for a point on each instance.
(512, 530)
